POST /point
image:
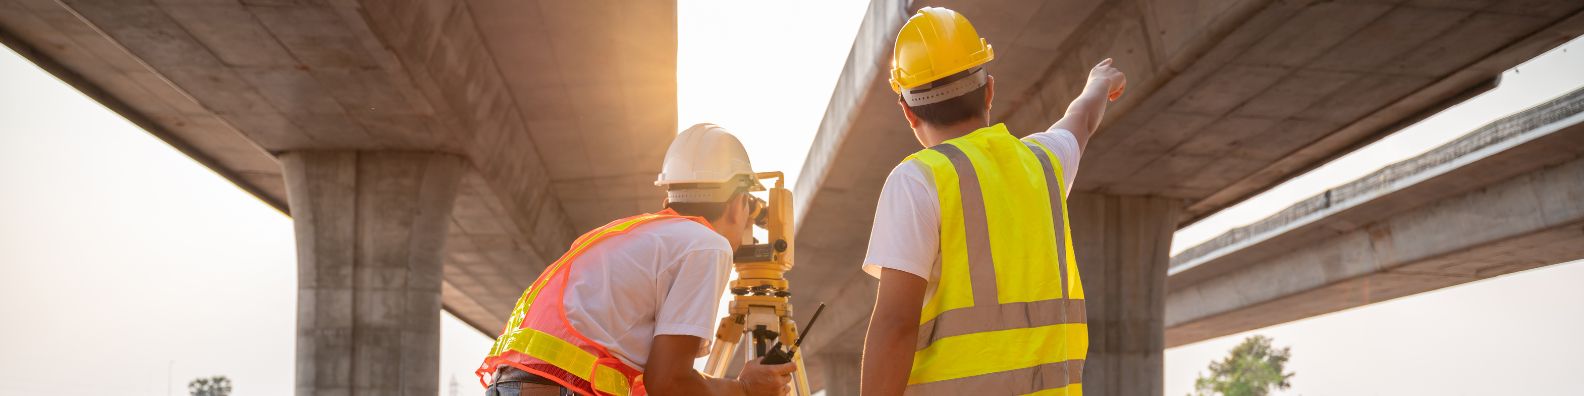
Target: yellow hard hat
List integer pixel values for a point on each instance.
(935, 43)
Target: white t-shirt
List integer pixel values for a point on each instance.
(662, 278)
(906, 233)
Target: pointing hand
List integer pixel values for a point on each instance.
(1115, 81)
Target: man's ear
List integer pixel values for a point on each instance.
(989, 94)
(912, 119)
(746, 206)
(733, 209)
(736, 208)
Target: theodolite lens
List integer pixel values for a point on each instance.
(759, 211)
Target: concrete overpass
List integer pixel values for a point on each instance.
(1505, 198)
(497, 129)
(1226, 98)
(389, 129)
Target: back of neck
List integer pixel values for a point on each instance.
(940, 134)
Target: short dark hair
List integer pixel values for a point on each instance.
(708, 210)
(954, 110)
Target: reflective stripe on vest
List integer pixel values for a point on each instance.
(535, 350)
(569, 357)
(1007, 315)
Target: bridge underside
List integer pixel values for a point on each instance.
(557, 138)
(556, 113)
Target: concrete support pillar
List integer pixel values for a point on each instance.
(370, 228)
(1123, 245)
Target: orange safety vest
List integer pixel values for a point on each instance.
(539, 339)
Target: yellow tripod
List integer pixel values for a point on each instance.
(760, 305)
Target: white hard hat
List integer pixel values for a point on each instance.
(710, 162)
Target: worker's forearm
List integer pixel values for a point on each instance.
(694, 384)
(1084, 114)
(724, 386)
(887, 357)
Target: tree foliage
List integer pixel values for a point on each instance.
(1253, 368)
(217, 385)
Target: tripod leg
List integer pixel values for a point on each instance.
(800, 385)
(720, 358)
(727, 335)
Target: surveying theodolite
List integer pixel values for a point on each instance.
(760, 305)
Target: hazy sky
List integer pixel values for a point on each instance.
(729, 58)
(117, 248)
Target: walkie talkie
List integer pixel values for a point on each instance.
(779, 355)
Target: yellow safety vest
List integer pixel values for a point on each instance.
(1007, 317)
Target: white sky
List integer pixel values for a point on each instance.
(117, 246)
(732, 54)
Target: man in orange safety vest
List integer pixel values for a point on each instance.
(631, 304)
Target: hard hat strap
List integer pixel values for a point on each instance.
(935, 94)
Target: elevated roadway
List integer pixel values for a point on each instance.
(1505, 198)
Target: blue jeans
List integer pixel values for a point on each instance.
(518, 388)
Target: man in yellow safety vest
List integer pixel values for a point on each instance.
(630, 305)
(979, 289)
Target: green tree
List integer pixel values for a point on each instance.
(217, 385)
(1253, 368)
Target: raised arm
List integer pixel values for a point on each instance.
(1106, 83)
